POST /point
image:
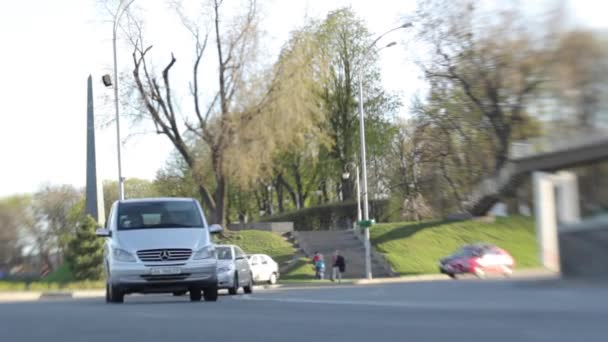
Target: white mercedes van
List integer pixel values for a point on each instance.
(157, 245)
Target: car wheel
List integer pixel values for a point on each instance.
(179, 293)
(235, 286)
(210, 294)
(479, 273)
(195, 294)
(451, 275)
(273, 279)
(249, 288)
(116, 295)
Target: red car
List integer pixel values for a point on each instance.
(478, 259)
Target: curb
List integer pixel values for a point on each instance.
(540, 275)
(19, 296)
(406, 279)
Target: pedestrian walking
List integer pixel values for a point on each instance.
(338, 267)
(319, 266)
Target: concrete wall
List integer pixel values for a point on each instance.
(584, 249)
(277, 227)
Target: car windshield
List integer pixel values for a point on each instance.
(466, 252)
(224, 253)
(158, 214)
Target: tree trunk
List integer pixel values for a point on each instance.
(502, 153)
(347, 188)
(219, 213)
(279, 187)
(299, 188)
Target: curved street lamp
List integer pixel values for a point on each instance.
(123, 5)
(368, 264)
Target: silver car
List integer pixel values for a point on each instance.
(159, 245)
(233, 271)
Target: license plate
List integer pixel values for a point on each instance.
(165, 270)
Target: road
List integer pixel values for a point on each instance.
(426, 311)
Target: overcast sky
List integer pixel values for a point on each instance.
(48, 48)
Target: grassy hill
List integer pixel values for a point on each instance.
(415, 248)
(256, 241)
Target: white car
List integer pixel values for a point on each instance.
(233, 271)
(263, 268)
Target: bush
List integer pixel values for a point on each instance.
(63, 274)
(85, 251)
(331, 216)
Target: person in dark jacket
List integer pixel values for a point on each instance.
(338, 267)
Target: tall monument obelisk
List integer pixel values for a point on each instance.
(94, 191)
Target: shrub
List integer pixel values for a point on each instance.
(331, 216)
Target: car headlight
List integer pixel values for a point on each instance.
(224, 269)
(122, 255)
(207, 252)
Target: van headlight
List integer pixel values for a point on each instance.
(122, 255)
(207, 252)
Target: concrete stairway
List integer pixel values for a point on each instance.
(327, 242)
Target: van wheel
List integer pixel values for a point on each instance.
(114, 294)
(235, 286)
(210, 294)
(195, 294)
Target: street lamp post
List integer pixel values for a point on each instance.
(346, 175)
(368, 263)
(122, 8)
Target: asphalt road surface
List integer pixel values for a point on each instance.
(431, 311)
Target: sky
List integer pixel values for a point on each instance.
(50, 47)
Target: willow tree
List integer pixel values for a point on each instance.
(235, 133)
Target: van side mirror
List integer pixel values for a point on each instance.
(103, 232)
(215, 228)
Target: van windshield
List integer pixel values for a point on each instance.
(158, 214)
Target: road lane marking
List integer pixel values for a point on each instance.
(450, 306)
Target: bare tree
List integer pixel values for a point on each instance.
(496, 65)
(253, 114)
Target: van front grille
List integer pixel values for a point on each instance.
(160, 255)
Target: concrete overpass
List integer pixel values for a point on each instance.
(550, 153)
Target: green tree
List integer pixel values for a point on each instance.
(134, 188)
(85, 251)
(13, 211)
(344, 41)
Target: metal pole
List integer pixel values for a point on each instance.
(368, 264)
(358, 193)
(121, 10)
(368, 261)
(121, 188)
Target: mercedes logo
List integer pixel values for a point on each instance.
(165, 255)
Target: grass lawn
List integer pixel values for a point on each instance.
(257, 241)
(416, 248)
(302, 270)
